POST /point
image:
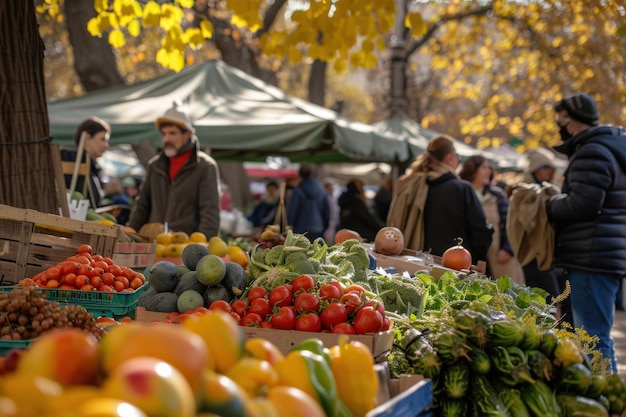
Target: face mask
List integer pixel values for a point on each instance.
(565, 135)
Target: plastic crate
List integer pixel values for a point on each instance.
(98, 303)
(416, 401)
(6, 345)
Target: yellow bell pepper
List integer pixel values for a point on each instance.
(352, 365)
(254, 375)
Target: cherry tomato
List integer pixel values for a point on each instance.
(352, 301)
(329, 292)
(338, 285)
(309, 322)
(251, 320)
(368, 320)
(236, 316)
(343, 328)
(85, 249)
(377, 305)
(266, 325)
(302, 283)
(256, 292)
(240, 307)
(281, 296)
(332, 314)
(221, 305)
(285, 319)
(305, 302)
(260, 306)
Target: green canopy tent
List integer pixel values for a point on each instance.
(237, 116)
(420, 136)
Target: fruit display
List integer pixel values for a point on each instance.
(88, 272)
(204, 278)
(493, 347)
(207, 367)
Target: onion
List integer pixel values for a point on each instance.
(457, 257)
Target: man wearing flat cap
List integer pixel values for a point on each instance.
(590, 216)
(182, 182)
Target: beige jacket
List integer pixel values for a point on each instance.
(407, 209)
(530, 233)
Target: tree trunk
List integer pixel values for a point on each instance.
(317, 82)
(94, 60)
(26, 173)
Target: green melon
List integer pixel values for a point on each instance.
(235, 278)
(146, 296)
(189, 282)
(163, 302)
(189, 300)
(192, 253)
(163, 276)
(216, 292)
(210, 270)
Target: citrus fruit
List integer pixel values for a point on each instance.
(217, 246)
(197, 237)
(164, 238)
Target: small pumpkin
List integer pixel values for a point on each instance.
(389, 241)
(345, 234)
(457, 257)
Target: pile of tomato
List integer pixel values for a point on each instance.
(88, 272)
(306, 306)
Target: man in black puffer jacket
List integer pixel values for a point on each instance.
(590, 216)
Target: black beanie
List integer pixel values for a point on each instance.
(581, 107)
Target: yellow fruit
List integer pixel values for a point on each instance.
(237, 255)
(217, 246)
(179, 248)
(164, 238)
(170, 250)
(106, 222)
(180, 237)
(109, 407)
(29, 394)
(160, 249)
(197, 237)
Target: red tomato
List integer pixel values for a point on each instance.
(53, 273)
(108, 260)
(69, 279)
(85, 249)
(352, 301)
(83, 259)
(281, 296)
(96, 281)
(108, 278)
(114, 269)
(251, 320)
(266, 325)
(256, 292)
(101, 264)
(309, 322)
(285, 319)
(377, 305)
(368, 320)
(236, 316)
(386, 324)
(305, 302)
(68, 267)
(343, 328)
(338, 285)
(221, 305)
(105, 288)
(240, 307)
(199, 310)
(330, 292)
(333, 314)
(97, 258)
(260, 306)
(302, 283)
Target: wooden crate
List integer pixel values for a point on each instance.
(31, 241)
(379, 343)
(134, 254)
(435, 269)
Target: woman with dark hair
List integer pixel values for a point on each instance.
(96, 142)
(355, 214)
(432, 206)
(500, 260)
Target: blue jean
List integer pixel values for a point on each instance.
(593, 306)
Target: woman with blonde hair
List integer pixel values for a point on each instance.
(432, 206)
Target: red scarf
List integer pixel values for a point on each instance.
(177, 162)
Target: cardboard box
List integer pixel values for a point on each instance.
(415, 401)
(379, 343)
(31, 241)
(134, 254)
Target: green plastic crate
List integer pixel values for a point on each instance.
(6, 345)
(109, 304)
